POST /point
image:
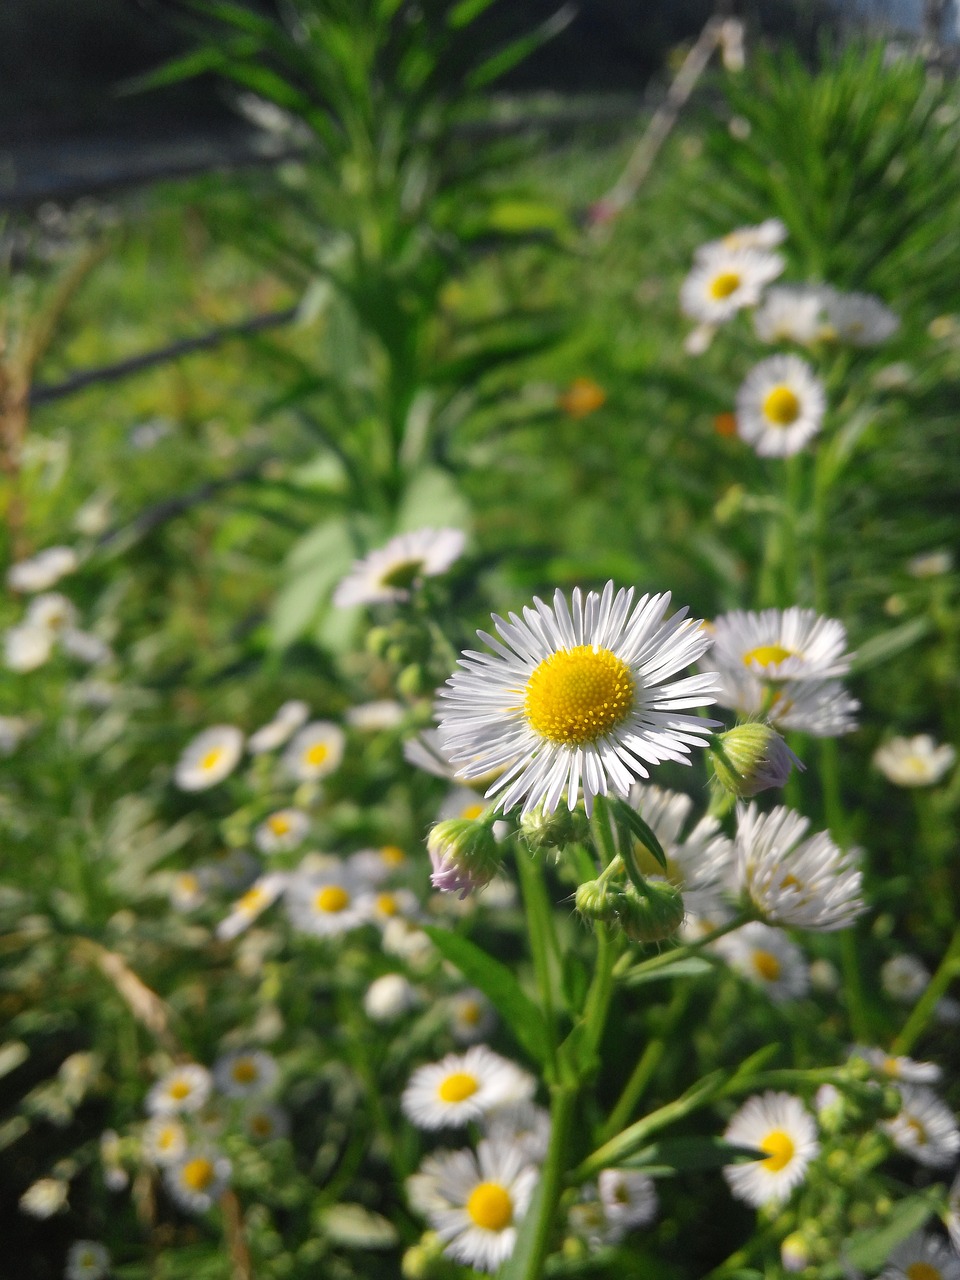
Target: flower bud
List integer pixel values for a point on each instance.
(464, 853)
(651, 918)
(597, 900)
(750, 758)
(794, 1252)
(553, 830)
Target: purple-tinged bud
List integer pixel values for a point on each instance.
(464, 853)
(750, 758)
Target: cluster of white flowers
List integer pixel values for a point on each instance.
(50, 623)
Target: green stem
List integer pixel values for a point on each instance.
(603, 831)
(666, 958)
(537, 910)
(948, 969)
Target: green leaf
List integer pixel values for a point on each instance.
(691, 967)
(514, 53)
(314, 566)
(433, 500)
(883, 647)
(517, 1265)
(467, 11)
(500, 987)
(869, 1249)
(628, 818)
(686, 1155)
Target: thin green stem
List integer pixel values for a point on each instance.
(537, 908)
(948, 969)
(666, 958)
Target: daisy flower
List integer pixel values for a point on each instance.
(461, 1087)
(903, 1070)
(280, 729)
(858, 318)
(325, 900)
(698, 863)
(924, 1128)
(930, 564)
(376, 865)
(245, 1073)
(184, 1088)
(209, 758)
(475, 1202)
(904, 978)
(375, 717)
(315, 752)
(723, 281)
(914, 762)
(187, 891)
(629, 1200)
(44, 1198)
(577, 694)
(389, 997)
(921, 1257)
(164, 1140)
(763, 235)
(766, 957)
(521, 1124)
(281, 831)
(789, 313)
(261, 894)
(809, 884)
(782, 1127)
(472, 1016)
(406, 940)
(197, 1179)
(43, 570)
(265, 1122)
(87, 1260)
(781, 644)
(26, 648)
(51, 612)
(387, 575)
(780, 406)
(387, 904)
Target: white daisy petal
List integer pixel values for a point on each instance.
(780, 1125)
(780, 406)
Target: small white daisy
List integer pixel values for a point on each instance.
(265, 1122)
(43, 570)
(930, 564)
(184, 1088)
(187, 891)
(461, 1087)
(209, 758)
(914, 762)
(87, 1260)
(44, 1198)
(387, 904)
(51, 612)
(789, 313)
(280, 729)
(315, 752)
(780, 1125)
(326, 900)
(389, 997)
(763, 235)
(576, 696)
(781, 645)
(375, 717)
(282, 831)
(472, 1016)
(902, 1070)
(860, 319)
(904, 978)
(388, 574)
(164, 1140)
(261, 895)
(780, 406)
(723, 281)
(245, 1073)
(26, 648)
(924, 1128)
(521, 1124)
(376, 865)
(766, 957)
(85, 646)
(809, 884)
(921, 1256)
(699, 863)
(629, 1200)
(822, 708)
(198, 1179)
(475, 1202)
(406, 940)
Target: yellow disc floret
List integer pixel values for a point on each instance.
(780, 1150)
(316, 754)
(197, 1174)
(923, 1271)
(577, 695)
(180, 1089)
(490, 1206)
(244, 1071)
(766, 655)
(458, 1087)
(332, 898)
(211, 759)
(767, 965)
(781, 406)
(722, 285)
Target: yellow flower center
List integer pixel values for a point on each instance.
(316, 754)
(180, 1089)
(781, 407)
(458, 1087)
(767, 965)
(244, 1071)
(387, 904)
(923, 1271)
(780, 1149)
(261, 1126)
(167, 1138)
(401, 575)
(490, 1206)
(583, 397)
(197, 1174)
(187, 882)
(918, 1131)
(393, 855)
(252, 900)
(471, 812)
(332, 899)
(470, 1012)
(891, 1066)
(279, 824)
(578, 695)
(724, 284)
(211, 759)
(764, 655)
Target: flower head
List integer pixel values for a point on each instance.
(781, 1126)
(780, 406)
(464, 854)
(475, 1202)
(209, 758)
(462, 1087)
(766, 957)
(750, 758)
(245, 1073)
(184, 1088)
(389, 997)
(924, 1128)
(315, 752)
(723, 281)
(281, 831)
(43, 570)
(699, 858)
(914, 762)
(280, 729)
(327, 900)
(87, 1260)
(164, 1140)
(388, 575)
(921, 1256)
(576, 696)
(261, 894)
(197, 1179)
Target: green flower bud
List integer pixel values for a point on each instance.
(794, 1252)
(423, 1261)
(651, 918)
(414, 681)
(597, 900)
(464, 853)
(378, 641)
(750, 758)
(553, 830)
